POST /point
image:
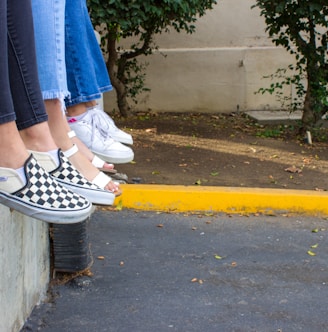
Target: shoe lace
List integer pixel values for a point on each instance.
(103, 122)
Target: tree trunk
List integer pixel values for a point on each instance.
(314, 107)
(121, 93)
(308, 118)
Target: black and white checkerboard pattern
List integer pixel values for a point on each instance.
(66, 172)
(43, 190)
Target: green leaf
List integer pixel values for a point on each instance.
(119, 205)
(311, 253)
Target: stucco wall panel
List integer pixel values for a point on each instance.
(216, 69)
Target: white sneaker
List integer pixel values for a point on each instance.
(106, 126)
(106, 148)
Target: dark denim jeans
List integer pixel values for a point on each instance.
(20, 94)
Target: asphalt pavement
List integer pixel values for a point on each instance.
(185, 272)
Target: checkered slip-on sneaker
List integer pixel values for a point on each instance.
(42, 197)
(70, 177)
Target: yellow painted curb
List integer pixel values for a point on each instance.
(221, 199)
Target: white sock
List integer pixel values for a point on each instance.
(54, 154)
(93, 107)
(21, 172)
(76, 118)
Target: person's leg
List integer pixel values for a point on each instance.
(12, 150)
(87, 79)
(49, 30)
(28, 188)
(49, 21)
(28, 102)
(87, 76)
(32, 116)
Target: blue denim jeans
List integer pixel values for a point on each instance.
(70, 61)
(87, 75)
(49, 32)
(20, 95)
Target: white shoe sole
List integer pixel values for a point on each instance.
(48, 215)
(114, 160)
(98, 197)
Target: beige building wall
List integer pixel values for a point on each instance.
(216, 69)
(25, 267)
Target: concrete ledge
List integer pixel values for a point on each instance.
(24, 273)
(275, 117)
(222, 199)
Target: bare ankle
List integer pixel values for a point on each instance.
(38, 138)
(76, 110)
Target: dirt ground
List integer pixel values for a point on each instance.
(223, 150)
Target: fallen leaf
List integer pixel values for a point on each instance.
(306, 160)
(101, 258)
(270, 213)
(311, 253)
(193, 228)
(293, 169)
(272, 179)
(315, 230)
(218, 257)
(160, 225)
(88, 273)
(315, 246)
(198, 182)
(151, 130)
(194, 279)
(119, 205)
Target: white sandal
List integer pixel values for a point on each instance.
(101, 179)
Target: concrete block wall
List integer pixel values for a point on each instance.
(24, 273)
(216, 69)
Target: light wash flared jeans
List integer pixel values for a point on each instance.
(70, 62)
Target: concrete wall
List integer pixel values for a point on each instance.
(24, 274)
(216, 69)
